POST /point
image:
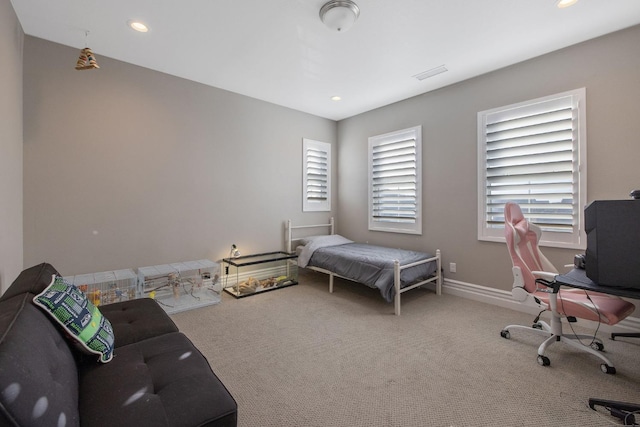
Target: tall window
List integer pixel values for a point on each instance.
(534, 153)
(316, 187)
(395, 190)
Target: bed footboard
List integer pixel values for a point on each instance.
(437, 278)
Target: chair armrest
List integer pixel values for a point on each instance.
(551, 286)
(546, 275)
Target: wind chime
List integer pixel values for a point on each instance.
(86, 60)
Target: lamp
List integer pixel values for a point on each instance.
(339, 15)
(234, 253)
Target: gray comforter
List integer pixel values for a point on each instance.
(372, 265)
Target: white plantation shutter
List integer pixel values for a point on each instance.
(317, 179)
(316, 188)
(394, 182)
(532, 154)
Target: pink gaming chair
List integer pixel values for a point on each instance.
(529, 264)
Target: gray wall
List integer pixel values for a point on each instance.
(165, 169)
(11, 244)
(609, 68)
(127, 167)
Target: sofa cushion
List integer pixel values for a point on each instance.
(32, 280)
(161, 381)
(38, 373)
(136, 320)
(82, 321)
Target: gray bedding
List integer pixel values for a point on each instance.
(372, 265)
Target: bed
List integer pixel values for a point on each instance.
(392, 271)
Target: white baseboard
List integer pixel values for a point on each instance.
(503, 299)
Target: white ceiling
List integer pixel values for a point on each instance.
(279, 50)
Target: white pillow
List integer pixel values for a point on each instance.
(308, 239)
(326, 239)
(317, 242)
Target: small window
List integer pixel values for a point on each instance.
(534, 153)
(395, 190)
(316, 188)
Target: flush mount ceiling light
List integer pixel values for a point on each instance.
(565, 3)
(336, 98)
(339, 15)
(138, 26)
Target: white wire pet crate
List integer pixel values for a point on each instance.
(107, 287)
(181, 286)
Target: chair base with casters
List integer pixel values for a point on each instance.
(554, 332)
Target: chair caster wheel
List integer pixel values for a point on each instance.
(607, 369)
(597, 346)
(543, 361)
(505, 334)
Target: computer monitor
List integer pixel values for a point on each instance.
(613, 242)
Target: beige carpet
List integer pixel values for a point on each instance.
(300, 356)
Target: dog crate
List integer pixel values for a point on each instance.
(181, 286)
(107, 287)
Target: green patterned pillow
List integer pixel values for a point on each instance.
(88, 328)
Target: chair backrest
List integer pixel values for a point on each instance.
(522, 241)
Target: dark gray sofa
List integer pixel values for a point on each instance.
(157, 377)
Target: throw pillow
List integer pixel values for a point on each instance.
(85, 325)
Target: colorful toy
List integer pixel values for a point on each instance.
(94, 297)
(86, 55)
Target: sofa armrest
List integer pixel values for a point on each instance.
(36, 365)
(32, 280)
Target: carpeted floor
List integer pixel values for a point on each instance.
(299, 356)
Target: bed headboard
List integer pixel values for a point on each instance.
(289, 231)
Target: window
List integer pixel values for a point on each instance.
(534, 153)
(395, 190)
(316, 188)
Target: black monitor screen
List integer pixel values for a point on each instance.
(613, 242)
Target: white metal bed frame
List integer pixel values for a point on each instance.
(397, 268)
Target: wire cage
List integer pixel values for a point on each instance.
(181, 286)
(107, 287)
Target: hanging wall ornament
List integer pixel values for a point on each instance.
(86, 60)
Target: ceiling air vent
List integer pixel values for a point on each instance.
(430, 73)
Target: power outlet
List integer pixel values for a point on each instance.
(452, 267)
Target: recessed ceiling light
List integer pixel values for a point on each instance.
(566, 3)
(336, 98)
(138, 26)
